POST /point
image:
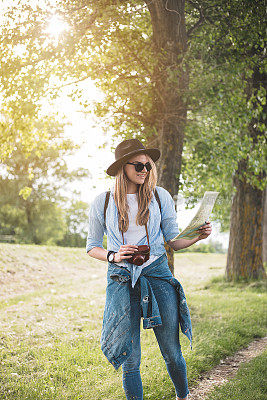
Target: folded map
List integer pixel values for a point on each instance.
(202, 215)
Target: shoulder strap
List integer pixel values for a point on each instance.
(158, 199)
(159, 203)
(107, 200)
(106, 204)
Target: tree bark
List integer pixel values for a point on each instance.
(244, 259)
(171, 83)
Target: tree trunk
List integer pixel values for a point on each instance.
(244, 259)
(171, 83)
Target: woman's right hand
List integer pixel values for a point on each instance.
(126, 251)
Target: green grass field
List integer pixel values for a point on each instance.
(52, 302)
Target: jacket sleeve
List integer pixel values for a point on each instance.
(169, 224)
(96, 224)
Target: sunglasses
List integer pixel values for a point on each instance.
(140, 166)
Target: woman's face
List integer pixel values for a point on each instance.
(135, 177)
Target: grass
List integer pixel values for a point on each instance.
(250, 383)
(51, 317)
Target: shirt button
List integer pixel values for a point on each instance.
(124, 353)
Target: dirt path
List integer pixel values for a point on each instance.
(226, 370)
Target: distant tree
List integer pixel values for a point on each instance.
(76, 218)
(36, 216)
(211, 247)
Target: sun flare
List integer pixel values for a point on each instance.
(56, 26)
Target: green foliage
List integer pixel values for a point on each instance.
(110, 43)
(76, 219)
(38, 216)
(226, 105)
(212, 247)
(13, 220)
(105, 242)
(45, 223)
(113, 45)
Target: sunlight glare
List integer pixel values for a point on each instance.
(56, 26)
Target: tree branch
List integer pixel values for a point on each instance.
(194, 27)
(202, 17)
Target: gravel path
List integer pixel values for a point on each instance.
(226, 370)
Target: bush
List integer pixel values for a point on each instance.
(212, 247)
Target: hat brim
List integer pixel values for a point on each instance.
(114, 167)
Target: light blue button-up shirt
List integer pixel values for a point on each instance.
(166, 218)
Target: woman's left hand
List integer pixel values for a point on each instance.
(204, 231)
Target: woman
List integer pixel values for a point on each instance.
(133, 216)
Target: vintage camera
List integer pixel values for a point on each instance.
(140, 256)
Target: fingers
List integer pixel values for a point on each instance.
(126, 251)
(128, 248)
(205, 227)
(204, 234)
(205, 230)
(125, 257)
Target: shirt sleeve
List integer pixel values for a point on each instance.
(96, 224)
(169, 224)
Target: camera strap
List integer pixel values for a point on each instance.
(106, 205)
(146, 236)
(107, 200)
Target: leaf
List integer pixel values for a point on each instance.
(25, 192)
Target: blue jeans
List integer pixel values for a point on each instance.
(167, 336)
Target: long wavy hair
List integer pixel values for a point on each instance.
(144, 195)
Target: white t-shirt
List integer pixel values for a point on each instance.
(135, 232)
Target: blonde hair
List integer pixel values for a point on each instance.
(144, 196)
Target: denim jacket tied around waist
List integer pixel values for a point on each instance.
(116, 340)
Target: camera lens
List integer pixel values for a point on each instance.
(139, 259)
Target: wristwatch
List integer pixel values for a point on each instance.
(111, 256)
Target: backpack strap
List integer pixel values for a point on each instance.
(158, 199)
(107, 200)
(106, 204)
(159, 203)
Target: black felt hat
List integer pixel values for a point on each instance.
(126, 150)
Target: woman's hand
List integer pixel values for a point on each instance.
(126, 251)
(204, 231)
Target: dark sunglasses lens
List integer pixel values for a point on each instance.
(140, 166)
